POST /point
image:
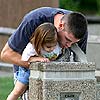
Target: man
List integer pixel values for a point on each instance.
(71, 27)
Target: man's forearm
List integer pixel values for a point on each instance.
(10, 56)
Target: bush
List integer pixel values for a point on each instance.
(85, 6)
(69, 4)
(98, 5)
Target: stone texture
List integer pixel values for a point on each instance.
(50, 81)
(98, 91)
(62, 66)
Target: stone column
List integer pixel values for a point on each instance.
(62, 81)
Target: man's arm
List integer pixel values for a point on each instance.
(10, 56)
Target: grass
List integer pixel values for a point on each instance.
(6, 86)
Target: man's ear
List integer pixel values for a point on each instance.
(61, 26)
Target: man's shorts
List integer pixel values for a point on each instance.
(23, 75)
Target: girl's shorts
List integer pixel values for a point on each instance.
(23, 75)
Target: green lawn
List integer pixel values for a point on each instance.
(6, 85)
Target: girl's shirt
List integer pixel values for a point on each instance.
(30, 51)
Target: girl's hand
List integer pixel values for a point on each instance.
(42, 59)
(38, 59)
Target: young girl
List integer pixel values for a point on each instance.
(43, 47)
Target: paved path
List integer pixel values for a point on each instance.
(6, 70)
(5, 74)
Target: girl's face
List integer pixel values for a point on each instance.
(49, 47)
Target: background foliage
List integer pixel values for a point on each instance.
(89, 7)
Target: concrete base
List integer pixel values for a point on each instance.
(62, 81)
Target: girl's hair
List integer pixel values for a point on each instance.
(44, 33)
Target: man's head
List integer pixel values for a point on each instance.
(72, 28)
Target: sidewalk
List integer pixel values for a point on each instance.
(6, 74)
(6, 70)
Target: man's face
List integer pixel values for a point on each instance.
(66, 39)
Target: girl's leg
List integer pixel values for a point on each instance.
(25, 96)
(18, 90)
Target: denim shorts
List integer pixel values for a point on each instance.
(23, 75)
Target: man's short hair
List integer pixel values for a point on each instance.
(75, 23)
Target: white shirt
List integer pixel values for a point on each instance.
(30, 51)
